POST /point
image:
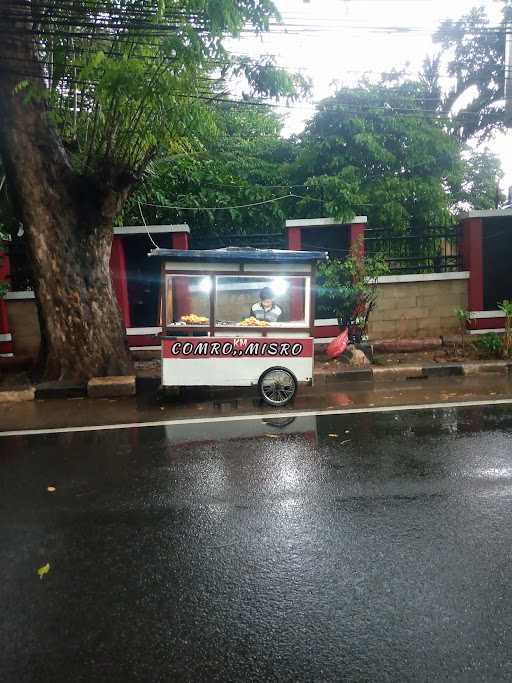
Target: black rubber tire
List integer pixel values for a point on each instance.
(288, 392)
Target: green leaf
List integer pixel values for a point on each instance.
(42, 571)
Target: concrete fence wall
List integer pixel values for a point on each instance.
(24, 325)
(408, 306)
(411, 306)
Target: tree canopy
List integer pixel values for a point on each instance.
(243, 161)
(477, 185)
(373, 150)
(125, 80)
(473, 52)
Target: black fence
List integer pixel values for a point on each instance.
(419, 250)
(21, 270)
(259, 241)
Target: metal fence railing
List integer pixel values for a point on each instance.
(259, 241)
(419, 250)
(21, 270)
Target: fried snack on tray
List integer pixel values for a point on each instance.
(193, 319)
(253, 322)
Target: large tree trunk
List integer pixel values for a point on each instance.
(81, 326)
(67, 221)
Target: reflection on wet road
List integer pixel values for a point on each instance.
(363, 547)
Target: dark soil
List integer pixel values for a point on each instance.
(451, 353)
(12, 379)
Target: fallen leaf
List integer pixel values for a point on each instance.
(51, 489)
(272, 436)
(43, 570)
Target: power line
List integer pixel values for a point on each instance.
(395, 110)
(227, 208)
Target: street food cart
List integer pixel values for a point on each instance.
(210, 333)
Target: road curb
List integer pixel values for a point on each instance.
(17, 394)
(352, 375)
(412, 372)
(398, 372)
(447, 370)
(49, 390)
(151, 385)
(497, 366)
(111, 387)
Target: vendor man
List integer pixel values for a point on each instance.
(265, 308)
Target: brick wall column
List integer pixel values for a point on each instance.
(294, 239)
(179, 240)
(472, 259)
(119, 279)
(356, 238)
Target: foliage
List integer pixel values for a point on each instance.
(243, 162)
(463, 318)
(126, 83)
(399, 168)
(477, 186)
(3, 236)
(373, 150)
(347, 289)
(490, 345)
(506, 307)
(475, 56)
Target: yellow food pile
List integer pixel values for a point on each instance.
(193, 319)
(253, 322)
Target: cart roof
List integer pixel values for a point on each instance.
(241, 255)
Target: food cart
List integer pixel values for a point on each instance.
(215, 331)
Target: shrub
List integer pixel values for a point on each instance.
(347, 289)
(462, 318)
(490, 345)
(3, 285)
(506, 307)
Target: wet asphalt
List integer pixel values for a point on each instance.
(370, 547)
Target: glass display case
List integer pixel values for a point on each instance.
(233, 302)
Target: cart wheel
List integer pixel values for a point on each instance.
(277, 386)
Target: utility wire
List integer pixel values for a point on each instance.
(147, 229)
(226, 208)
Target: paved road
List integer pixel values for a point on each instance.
(360, 548)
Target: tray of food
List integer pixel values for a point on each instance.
(253, 322)
(193, 319)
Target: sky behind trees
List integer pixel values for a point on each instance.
(340, 41)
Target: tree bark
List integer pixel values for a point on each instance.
(67, 220)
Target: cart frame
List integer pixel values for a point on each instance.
(274, 358)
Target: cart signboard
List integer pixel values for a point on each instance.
(219, 347)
